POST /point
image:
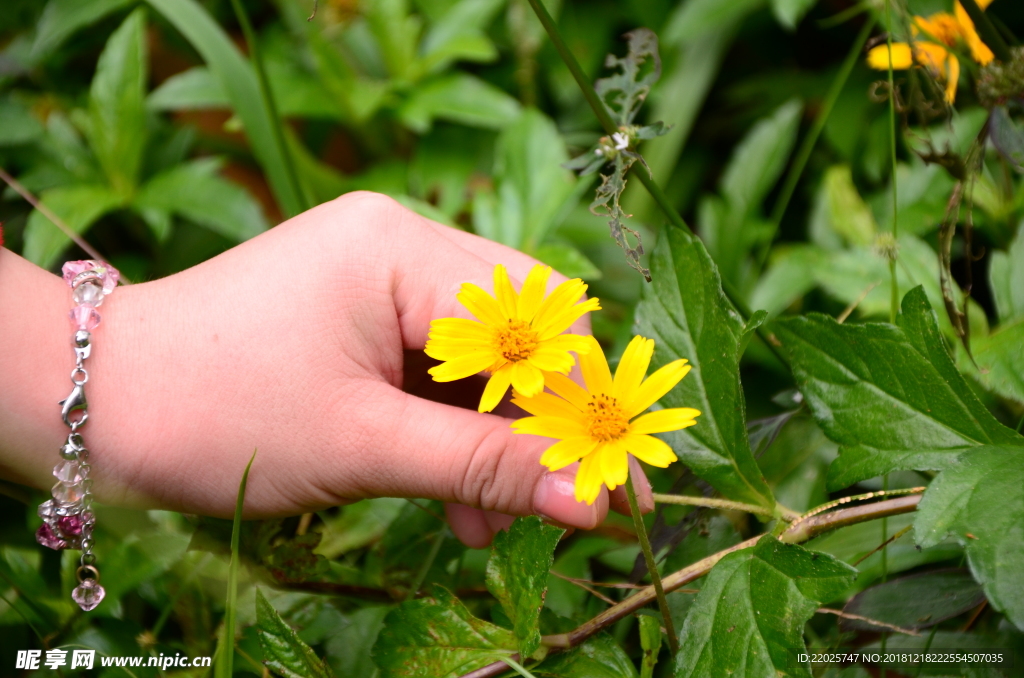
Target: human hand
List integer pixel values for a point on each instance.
(299, 343)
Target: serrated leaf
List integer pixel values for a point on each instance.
(437, 637)
(688, 316)
(980, 501)
(914, 602)
(599, 657)
(283, 651)
(748, 619)
(889, 393)
(517, 575)
(623, 93)
(117, 112)
(196, 191)
(79, 206)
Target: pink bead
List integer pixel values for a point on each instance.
(84, 318)
(105, 272)
(70, 526)
(46, 537)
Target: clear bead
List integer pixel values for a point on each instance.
(67, 494)
(45, 509)
(68, 472)
(88, 294)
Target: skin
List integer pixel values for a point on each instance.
(304, 343)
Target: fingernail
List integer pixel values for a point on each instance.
(644, 492)
(555, 498)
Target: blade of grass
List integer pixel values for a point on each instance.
(225, 654)
(242, 86)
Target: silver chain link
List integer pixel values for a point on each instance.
(80, 377)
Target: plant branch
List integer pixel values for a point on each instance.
(610, 127)
(725, 504)
(868, 620)
(988, 33)
(652, 565)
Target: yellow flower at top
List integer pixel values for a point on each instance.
(600, 424)
(518, 339)
(930, 46)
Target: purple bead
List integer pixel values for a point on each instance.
(46, 537)
(70, 526)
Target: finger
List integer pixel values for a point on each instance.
(619, 502)
(469, 525)
(410, 447)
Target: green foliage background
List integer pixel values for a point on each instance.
(145, 127)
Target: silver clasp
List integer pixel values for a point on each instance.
(75, 401)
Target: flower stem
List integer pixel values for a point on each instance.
(610, 127)
(725, 504)
(652, 566)
(989, 35)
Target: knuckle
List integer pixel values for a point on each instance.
(484, 479)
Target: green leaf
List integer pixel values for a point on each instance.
(62, 18)
(459, 35)
(225, 653)
(889, 393)
(348, 649)
(196, 191)
(980, 501)
(599, 657)
(461, 98)
(1000, 359)
(196, 88)
(790, 275)
(1007, 137)
(78, 206)
(650, 641)
(915, 602)
(517, 575)
(623, 93)
(117, 113)
(688, 316)
(437, 637)
(283, 651)
(568, 261)
(850, 215)
(20, 126)
(1006, 277)
(790, 12)
(239, 81)
(696, 17)
(748, 618)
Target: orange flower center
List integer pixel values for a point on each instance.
(605, 419)
(516, 341)
(942, 27)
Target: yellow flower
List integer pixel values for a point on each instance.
(518, 339)
(600, 424)
(939, 32)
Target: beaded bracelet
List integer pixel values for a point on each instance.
(68, 520)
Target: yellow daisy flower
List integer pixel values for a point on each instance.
(939, 32)
(600, 424)
(518, 339)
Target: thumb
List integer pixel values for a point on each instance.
(418, 448)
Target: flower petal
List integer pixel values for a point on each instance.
(595, 369)
(451, 349)
(952, 78)
(662, 421)
(633, 367)
(568, 389)
(495, 390)
(506, 295)
(649, 449)
(901, 57)
(462, 367)
(566, 452)
(481, 304)
(550, 427)
(532, 295)
(459, 328)
(657, 385)
(551, 359)
(561, 321)
(561, 298)
(547, 405)
(614, 464)
(569, 342)
(589, 479)
(979, 50)
(527, 379)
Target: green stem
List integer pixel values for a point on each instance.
(652, 566)
(725, 504)
(804, 153)
(894, 293)
(226, 647)
(268, 102)
(609, 125)
(986, 31)
(421, 576)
